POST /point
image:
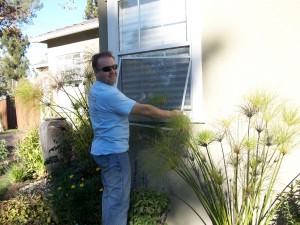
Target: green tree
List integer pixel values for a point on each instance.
(15, 12)
(13, 63)
(91, 10)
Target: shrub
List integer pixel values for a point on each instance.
(4, 184)
(81, 140)
(76, 195)
(17, 173)
(30, 153)
(4, 165)
(26, 209)
(76, 187)
(288, 212)
(147, 207)
(3, 149)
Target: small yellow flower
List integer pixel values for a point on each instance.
(71, 176)
(97, 169)
(82, 179)
(67, 195)
(81, 185)
(73, 186)
(101, 189)
(59, 188)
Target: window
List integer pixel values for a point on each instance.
(154, 51)
(69, 68)
(159, 51)
(150, 23)
(157, 77)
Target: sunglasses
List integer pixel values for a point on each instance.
(109, 68)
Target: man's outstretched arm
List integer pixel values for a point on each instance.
(152, 111)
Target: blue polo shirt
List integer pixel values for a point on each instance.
(109, 110)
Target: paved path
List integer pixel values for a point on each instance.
(11, 139)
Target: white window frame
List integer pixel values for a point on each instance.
(197, 114)
(161, 25)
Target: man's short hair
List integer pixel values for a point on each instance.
(100, 55)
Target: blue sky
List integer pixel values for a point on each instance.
(55, 14)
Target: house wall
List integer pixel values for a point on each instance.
(81, 42)
(242, 46)
(248, 45)
(245, 45)
(71, 44)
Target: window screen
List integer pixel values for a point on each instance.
(159, 80)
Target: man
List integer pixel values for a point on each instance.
(109, 111)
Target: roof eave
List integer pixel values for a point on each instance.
(44, 38)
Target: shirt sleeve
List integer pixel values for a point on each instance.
(120, 104)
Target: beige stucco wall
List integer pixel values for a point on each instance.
(69, 48)
(57, 48)
(249, 44)
(245, 45)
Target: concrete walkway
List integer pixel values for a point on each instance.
(11, 139)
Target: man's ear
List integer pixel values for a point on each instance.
(96, 75)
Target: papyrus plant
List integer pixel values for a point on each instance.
(233, 168)
(73, 87)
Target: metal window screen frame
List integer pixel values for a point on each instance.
(149, 72)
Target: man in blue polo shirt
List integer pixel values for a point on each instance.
(109, 111)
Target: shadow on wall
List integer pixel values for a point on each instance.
(183, 197)
(211, 48)
(184, 203)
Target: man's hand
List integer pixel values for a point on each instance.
(177, 112)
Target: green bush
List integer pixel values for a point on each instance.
(30, 153)
(4, 184)
(76, 187)
(4, 165)
(27, 209)
(3, 149)
(82, 138)
(76, 195)
(17, 173)
(147, 207)
(289, 211)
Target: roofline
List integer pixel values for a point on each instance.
(40, 65)
(73, 29)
